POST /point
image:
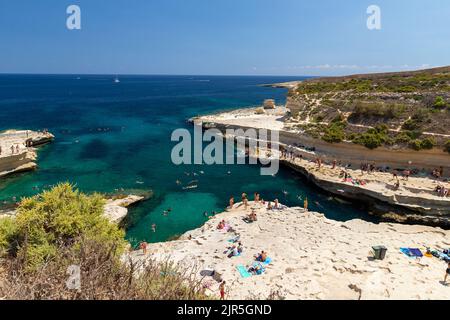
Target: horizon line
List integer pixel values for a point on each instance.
(153, 74)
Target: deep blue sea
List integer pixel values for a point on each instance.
(111, 136)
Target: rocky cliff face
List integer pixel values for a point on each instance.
(23, 156)
(410, 110)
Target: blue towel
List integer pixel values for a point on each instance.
(406, 252)
(243, 271)
(268, 261)
(416, 252)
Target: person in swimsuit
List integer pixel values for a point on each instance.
(222, 290)
(447, 272)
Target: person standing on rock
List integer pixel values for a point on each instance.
(12, 149)
(144, 247)
(231, 203)
(245, 200)
(305, 204)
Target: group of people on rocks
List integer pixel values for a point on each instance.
(14, 149)
(442, 191)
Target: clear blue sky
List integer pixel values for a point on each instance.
(251, 37)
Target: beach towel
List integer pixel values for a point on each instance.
(268, 261)
(243, 271)
(234, 240)
(416, 252)
(406, 252)
(231, 255)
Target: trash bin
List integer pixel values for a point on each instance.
(379, 252)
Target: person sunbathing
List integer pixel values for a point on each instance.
(262, 256)
(221, 225)
(234, 252)
(240, 248)
(255, 269)
(252, 216)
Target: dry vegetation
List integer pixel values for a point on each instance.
(63, 227)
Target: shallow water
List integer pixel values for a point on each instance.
(111, 136)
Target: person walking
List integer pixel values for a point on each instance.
(447, 272)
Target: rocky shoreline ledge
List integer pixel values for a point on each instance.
(115, 209)
(18, 150)
(312, 257)
(415, 201)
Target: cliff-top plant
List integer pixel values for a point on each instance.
(60, 218)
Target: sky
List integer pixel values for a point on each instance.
(223, 37)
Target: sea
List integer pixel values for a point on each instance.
(115, 137)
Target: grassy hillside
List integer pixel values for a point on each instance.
(403, 110)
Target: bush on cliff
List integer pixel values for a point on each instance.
(425, 144)
(373, 138)
(447, 146)
(64, 227)
(334, 133)
(440, 103)
(59, 218)
(8, 233)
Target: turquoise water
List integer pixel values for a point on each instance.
(117, 136)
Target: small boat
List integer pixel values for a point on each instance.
(116, 80)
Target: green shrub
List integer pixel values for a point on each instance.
(402, 137)
(60, 218)
(440, 103)
(425, 144)
(414, 134)
(368, 140)
(428, 143)
(406, 89)
(334, 133)
(416, 144)
(373, 138)
(8, 233)
(376, 110)
(447, 146)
